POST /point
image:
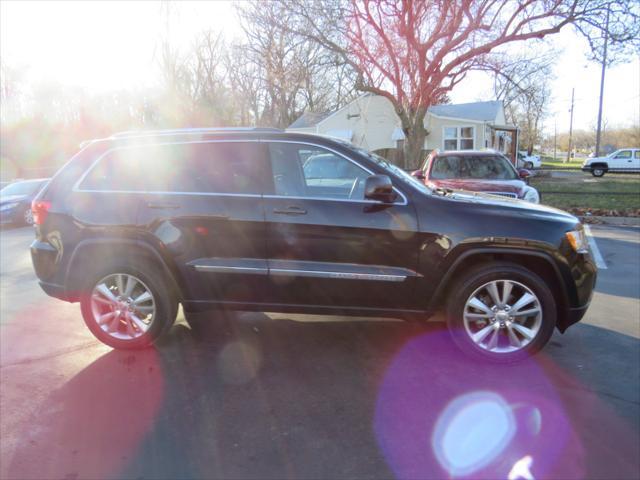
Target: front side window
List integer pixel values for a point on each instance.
(310, 171)
(458, 138)
(637, 154)
(486, 167)
(188, 168)
(623, 154)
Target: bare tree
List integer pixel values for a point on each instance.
(295, 73)
(522, 83)
(415, 52)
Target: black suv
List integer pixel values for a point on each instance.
(261, 219)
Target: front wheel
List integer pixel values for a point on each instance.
(598, 172)
(27, 217)
(127, 306)
(501, 312)
(528, 165)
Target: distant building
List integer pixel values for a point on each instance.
(370, 122)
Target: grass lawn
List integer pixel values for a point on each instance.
(589, 193)
(558, 162)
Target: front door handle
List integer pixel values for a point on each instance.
(293, 210)
(163, 206)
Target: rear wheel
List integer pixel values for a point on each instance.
(501, 312)
(127, 306)
(528, 165)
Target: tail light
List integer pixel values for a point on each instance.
(40, 209)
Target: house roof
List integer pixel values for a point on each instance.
(309, 119)
(483, 111)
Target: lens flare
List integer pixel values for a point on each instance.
(472, 431)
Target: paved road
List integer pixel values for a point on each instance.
(294, 398)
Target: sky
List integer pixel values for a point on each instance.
(108, 45)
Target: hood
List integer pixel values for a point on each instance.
(506, 186)
(12, 198)
(519, 207)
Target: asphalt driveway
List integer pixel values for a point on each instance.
(284, 396)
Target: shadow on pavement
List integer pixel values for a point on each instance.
(255, 398)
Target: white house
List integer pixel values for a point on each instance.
(370, 121)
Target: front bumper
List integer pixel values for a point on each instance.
(54, 290)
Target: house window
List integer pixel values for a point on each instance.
(458, 138)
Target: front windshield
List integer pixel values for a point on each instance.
(21, 188)
(482, 167)
(393, 169)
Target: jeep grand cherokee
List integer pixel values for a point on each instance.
(264, 220)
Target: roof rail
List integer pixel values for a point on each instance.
(177, 131)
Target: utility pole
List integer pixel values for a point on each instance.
(573, 90)
(555, 138)
(604, 66)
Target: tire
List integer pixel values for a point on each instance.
(598, 171)
(27, 217)
(125, 332)
(528, 165)
(462, 321)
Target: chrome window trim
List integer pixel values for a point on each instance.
(76, 186)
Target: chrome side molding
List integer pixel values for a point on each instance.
(295, 268)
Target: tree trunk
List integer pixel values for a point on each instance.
(414, 146)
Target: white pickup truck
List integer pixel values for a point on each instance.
(528, 161)
(625, 160)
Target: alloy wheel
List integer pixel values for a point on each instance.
(123, 306)
(28, 216)
(502, 316)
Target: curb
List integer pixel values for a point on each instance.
(620, 221)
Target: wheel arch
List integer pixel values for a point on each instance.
(540, 263)
(91, 252)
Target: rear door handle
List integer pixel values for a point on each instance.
(163, 206)
(293, 210)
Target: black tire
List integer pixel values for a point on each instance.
(528, 165)
(598, 171)
(166, 305)
(469, 282)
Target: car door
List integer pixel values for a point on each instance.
(636, 161)
(622, 160)
(205, 212)
(329, 247)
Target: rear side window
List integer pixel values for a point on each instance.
(233, 167)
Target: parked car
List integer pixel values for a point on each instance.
(528, 161)
(625, 160)
(477, 171)
(15, 201)
(229, 219)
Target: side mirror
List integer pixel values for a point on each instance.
(379, 187)
(524, 173)
(419, 174)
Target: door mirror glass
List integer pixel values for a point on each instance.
(379, 187)
(524, 173)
